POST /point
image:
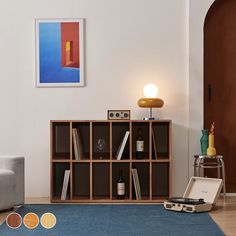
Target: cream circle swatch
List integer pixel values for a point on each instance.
(14, 220)
(31, 220)
(48, 220)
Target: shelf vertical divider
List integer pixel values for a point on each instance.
(170, 156)
(130, 159)
(110, 133)
(51, 160)
(71, 164)
(150, 159)
(90, 160)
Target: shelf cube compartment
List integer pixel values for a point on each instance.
(82, 140)
(119, 130)
(144, 126)
(81, 181)
(58, 173)
(125, 168)
(160, 180)
(61, 141)
(143, 170)
(101, 181)
(160, 140)
(101, 140)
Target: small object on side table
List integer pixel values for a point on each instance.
(204, 141)
(199, 163)
(211, 151)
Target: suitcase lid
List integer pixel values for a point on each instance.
(206, 188)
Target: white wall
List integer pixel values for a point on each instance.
(128, 43)
(197, 13)
(8, 74)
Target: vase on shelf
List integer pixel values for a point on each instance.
(204, 141)
(211, 151)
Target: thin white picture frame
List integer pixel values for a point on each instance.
(81, 81)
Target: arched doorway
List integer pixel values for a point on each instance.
(220, 82)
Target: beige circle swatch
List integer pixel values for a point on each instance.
(31, 220)
(14, 220)
(48, 220)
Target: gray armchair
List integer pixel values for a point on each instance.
(12, 181)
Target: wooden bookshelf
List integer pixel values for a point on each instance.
(93, 177)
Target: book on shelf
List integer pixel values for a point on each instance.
(136, 184)
(154, 143)
(122, 146)
(65, 184)
(77, 144)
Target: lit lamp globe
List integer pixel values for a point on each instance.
(150, 101)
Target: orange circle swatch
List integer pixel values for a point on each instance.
(48, 220)
(31, 220)
(14, 220)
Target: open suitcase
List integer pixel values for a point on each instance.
(203, 192)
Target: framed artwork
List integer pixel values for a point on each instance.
(59, 53)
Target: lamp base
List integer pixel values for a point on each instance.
(149, 118)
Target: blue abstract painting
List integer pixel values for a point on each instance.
(59, 53)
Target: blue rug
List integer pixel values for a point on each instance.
(116, 220)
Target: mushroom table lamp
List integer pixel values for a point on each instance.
(150, 101)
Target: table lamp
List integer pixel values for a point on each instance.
(150, 101)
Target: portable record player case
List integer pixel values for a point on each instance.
(198, 187)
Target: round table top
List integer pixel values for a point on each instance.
(208, 157)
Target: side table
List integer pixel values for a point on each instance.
(199, 162)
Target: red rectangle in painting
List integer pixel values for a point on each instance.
(70, 44)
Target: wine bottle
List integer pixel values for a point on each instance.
(139, 145)
(120, 186)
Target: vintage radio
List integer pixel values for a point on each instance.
(118, 114)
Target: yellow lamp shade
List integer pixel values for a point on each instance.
(150, 102)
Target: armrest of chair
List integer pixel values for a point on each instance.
(17, 165)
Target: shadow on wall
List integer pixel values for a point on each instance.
(194, 147)
(179, 159)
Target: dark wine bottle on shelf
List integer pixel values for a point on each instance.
(120, 186)
(139, 145)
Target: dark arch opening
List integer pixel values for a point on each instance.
(220, 82)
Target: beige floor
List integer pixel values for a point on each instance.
(224, 214)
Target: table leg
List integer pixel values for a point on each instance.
(199, 167)
(218, 169)
(195, 167)
(223, 176)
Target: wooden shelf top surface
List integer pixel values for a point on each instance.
(114, 161)
(111, 121)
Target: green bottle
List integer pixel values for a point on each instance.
(204, 141)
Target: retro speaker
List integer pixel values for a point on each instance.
(118, 114)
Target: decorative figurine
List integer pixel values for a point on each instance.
(211, 151)
(204, 141)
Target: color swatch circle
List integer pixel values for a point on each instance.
(31, 220)
(48, 220)
(14, 220)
